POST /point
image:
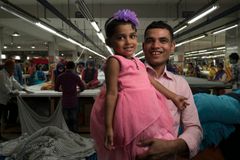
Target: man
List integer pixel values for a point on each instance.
(9, 87)
(90, 75)
(157, 46)
(68, 82)
(18, 75)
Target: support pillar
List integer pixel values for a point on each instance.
(53, 53)
(1, 43)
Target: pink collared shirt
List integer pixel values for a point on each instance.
(192, 130)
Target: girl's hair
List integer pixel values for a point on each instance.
(124, 16)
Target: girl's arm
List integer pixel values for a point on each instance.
(178, 100)
(111, 77)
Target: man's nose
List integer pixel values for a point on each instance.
(156, 44)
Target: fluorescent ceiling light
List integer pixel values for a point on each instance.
(17, 57)
(68, 39)
(101, 36)
(225, 29)
(138, 53)
(5, 47)
(95, 26)
(46, 28)
(15, 14)
(193, 39)
(109, 50)
(18, 47)
(141, 57)
(75, 42)
(180, 29)
(203, 14)
(204, 50)
(96, 53)
(15, 34)
(3, 56)
(219, 48)
(33, 47)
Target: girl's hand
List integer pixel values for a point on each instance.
(180, 102)
(109, 139)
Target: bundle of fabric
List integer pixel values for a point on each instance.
(218, 116)
(49, 143)
(46, 138)
(32, 122)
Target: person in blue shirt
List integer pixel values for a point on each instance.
(18, 75)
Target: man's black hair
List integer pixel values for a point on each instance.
(161, 25)
(70, 65)
(234, 56)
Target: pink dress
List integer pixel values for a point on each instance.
(140, 113)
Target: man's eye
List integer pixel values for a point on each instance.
(164, 41)
(148, 40)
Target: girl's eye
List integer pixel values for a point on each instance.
(133, 36)
(120, 37)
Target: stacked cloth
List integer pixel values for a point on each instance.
(218, 116)
(46, 138)
(49, 143)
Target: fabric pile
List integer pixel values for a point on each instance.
(48, 143)
(218, 115)
(46, 138)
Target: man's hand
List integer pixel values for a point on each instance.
(157, 149)
(160, 149)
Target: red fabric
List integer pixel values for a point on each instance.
(40, 61)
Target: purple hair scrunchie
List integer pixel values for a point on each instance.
(126, 15)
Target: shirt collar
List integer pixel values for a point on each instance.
(165, 74)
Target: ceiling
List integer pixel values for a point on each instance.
(173, 12)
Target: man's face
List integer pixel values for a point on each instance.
(157, 46)
(232, 61)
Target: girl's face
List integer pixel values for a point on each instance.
(124, 40)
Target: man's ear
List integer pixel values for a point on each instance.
(173, 46)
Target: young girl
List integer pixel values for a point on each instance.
(128, 108)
